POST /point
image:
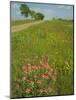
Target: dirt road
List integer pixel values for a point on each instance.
(24, 26)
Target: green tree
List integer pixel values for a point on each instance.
(24, 10)
(39, 16)
(32, 13)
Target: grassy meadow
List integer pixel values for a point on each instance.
(50, 40)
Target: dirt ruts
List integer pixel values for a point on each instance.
(24, 26)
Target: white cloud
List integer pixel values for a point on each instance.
(49, 13)
(65, 7)
(45, 11)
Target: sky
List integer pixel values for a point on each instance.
(49, 10)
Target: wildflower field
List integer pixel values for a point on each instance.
(42, 60)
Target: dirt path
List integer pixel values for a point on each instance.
(24, 26)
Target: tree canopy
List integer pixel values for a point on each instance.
(26, 11)
(39, 16)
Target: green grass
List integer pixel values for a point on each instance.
(19, 22)
(50, 38)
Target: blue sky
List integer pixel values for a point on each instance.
(49, 10)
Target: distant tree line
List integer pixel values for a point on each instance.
(26, 11)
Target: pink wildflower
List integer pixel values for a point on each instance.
(34, 67)
(45, 76)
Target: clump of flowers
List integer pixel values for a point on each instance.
(37, 77)
(45, 76)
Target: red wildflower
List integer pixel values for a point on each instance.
(44, 63)
(34, 67)
(39, 67)
(50, 70)
(45, 76)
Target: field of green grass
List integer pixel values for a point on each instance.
(53, 39)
